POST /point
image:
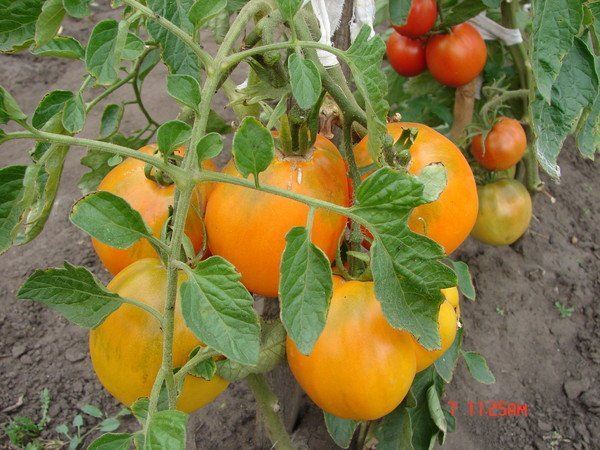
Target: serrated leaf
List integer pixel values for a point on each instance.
(406, 266)
(11, 192)
(272, 352)
(52, 104)
(204, 369)
(185, 89)
(177, 56)
(218, 309)
(305, 289)
(435, 409)
(17, 24)
(478, 367)
(9, 108)
(49, 21)
(73, 292)
(110, 219)
(394, 432)
(446, 364)
(555, 24)
(105, 49)
(73, 118)
(92, 410)
(209, 146)
(77, 8)
(575, 89)
(588, 130)
(204, 10)
(139, 409)
(112, 441)
(61, 47)
(340, 430)
(289, 8)
(253, 147)
(399, 11)
(98, 163)
(171, 135)
(111, 120)
(166, 430)
(434, 179)
(305, 80)
(465, 282)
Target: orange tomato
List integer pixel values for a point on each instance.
(248, 227)
(505, 145)
(450, 218)
(152, 201)
(126, 349)
(360, 368)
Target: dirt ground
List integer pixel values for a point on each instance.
(542, 360)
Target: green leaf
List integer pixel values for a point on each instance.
(433, 177)
(465, 282)
(458, 12)
(555, 24)
(478, 367)
(424, 429)
(52, 104)
(171, 135)
(253, 147)
(185, 89)
(395, 431)
(305, 289)
(77, 8)
(446, 364)
(289, 8)
(166, 429)
(73, 292)
(435, 409)
(209, 146)
(92, 410)
(61, 47)
(110, 219)
(11, 192)
(272, 352)
(139, 409)
(406, 266)
(204, 10)
(364, 59)
(218, 309)
(340, 430)
(9, 108)
(49, 21)
(216, 124)
(588, 130)
(133, 48)
(109, 424)
(204, 369)
(399, 11)
(73, 118)
(98, 163)
(112, 441)
(111, 120)
(105, 49)
(305, 80)
(17, 25)
(575, 89)
(178, 57)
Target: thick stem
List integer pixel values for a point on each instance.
(269, 407)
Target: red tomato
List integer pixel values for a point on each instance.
(406, 55)
(456, 58)
(505, 145)
(421, 18)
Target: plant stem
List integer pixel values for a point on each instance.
(205, 353)
(109, 90)
(499, 99)
(138, 94)
(268, 404)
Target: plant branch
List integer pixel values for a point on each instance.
(500, 99)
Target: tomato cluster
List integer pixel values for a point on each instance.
(454, 58)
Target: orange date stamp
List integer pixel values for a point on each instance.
(489, 408)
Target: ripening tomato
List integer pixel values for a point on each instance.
(152, 201)
(450, 218)
(456, 58)
(452, 296)
(504, 146)
(447, 322)
(504, 212)
(126, 349)
(406, 55)
(360, 368)
(248, 227)
(421, 18)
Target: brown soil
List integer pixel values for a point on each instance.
(549, 363)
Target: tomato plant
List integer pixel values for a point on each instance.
(169, 332)
(503, 147)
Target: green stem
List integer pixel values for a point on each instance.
(500, 99)
(202, 355)
(109, 90)
(269, 406)
(138, 94)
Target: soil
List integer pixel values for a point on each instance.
(542, 360)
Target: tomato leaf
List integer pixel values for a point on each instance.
(133, 48)
(171, 135)
(110, 219)
(166, 429)
(73, 292)
(446, 364)
(575, 89)
(588, 129)
(465, 282)
(555, 24)
(272, 352)
(105, 50)
(305, 80)
(209, 146)
(406, 266)
(253, 148)
(9, 108)
(399, 11)
(289, 8)
(218, 309)
(340, 430)
(61, 47)
(305, 289)
(185, 89)
(98, 163)
(435, 409)
(17, 27)
(456, 12)
(478, 367)
(77, 8)
(204, 10)
(178, 57)
(112, 441)
(73, 118)
(204, 369)
(111, 120)
(52, 104)
(395, 431)
(424, 429)
(11, 192)
(434, 179)
(216, 124)
(49, 21)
